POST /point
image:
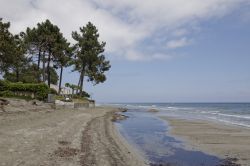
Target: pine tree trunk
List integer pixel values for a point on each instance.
(44, 70)
(82, 80)
(39, 59)
(38, 64)
(17, 75)
(77, 90)
(60, 82)
(48, 68)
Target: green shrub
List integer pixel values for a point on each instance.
(6, 93)
(57, 97)
(40, 90)
(83, 94)
(3, 85)
(52, 91)
(80, 98)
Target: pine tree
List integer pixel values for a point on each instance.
(89, 60)
(20, 61)
(6, 44)
(43, 41)
(63, 54)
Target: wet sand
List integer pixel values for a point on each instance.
(225, 141)
(103, 145)
(39, 135)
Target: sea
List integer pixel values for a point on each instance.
(229, 113)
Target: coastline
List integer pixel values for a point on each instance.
(102, 144)
(40, 135)
(219, 139)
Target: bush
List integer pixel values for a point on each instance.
(84, 94)
(6, 93)
(52, 91)
(57, 97)
(40, 90)
(3, 85)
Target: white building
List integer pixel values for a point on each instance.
(64, 90)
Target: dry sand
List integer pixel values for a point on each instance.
(214, 138)
(39, 135)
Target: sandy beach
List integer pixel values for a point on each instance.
(214, 138)
(39, 135)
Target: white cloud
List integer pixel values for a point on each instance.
(178, 43)
(123, 24)
(180, 32)
(138, 56)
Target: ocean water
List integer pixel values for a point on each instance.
(149, 133)
(230, 113)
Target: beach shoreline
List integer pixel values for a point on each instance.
(41, 135)
(225, 141)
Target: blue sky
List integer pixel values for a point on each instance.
(215, 68)
(161, 51)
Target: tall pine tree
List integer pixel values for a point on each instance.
(90, 61)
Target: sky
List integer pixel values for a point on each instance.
(161, 50)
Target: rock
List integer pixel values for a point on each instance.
(4, 102)
(123, 109)
(34, 103)
(118, 117)
(229, 162)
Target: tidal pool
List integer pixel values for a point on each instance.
(149, 134)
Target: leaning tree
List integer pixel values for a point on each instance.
(89, 59)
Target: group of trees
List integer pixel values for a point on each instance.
(35, 55)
